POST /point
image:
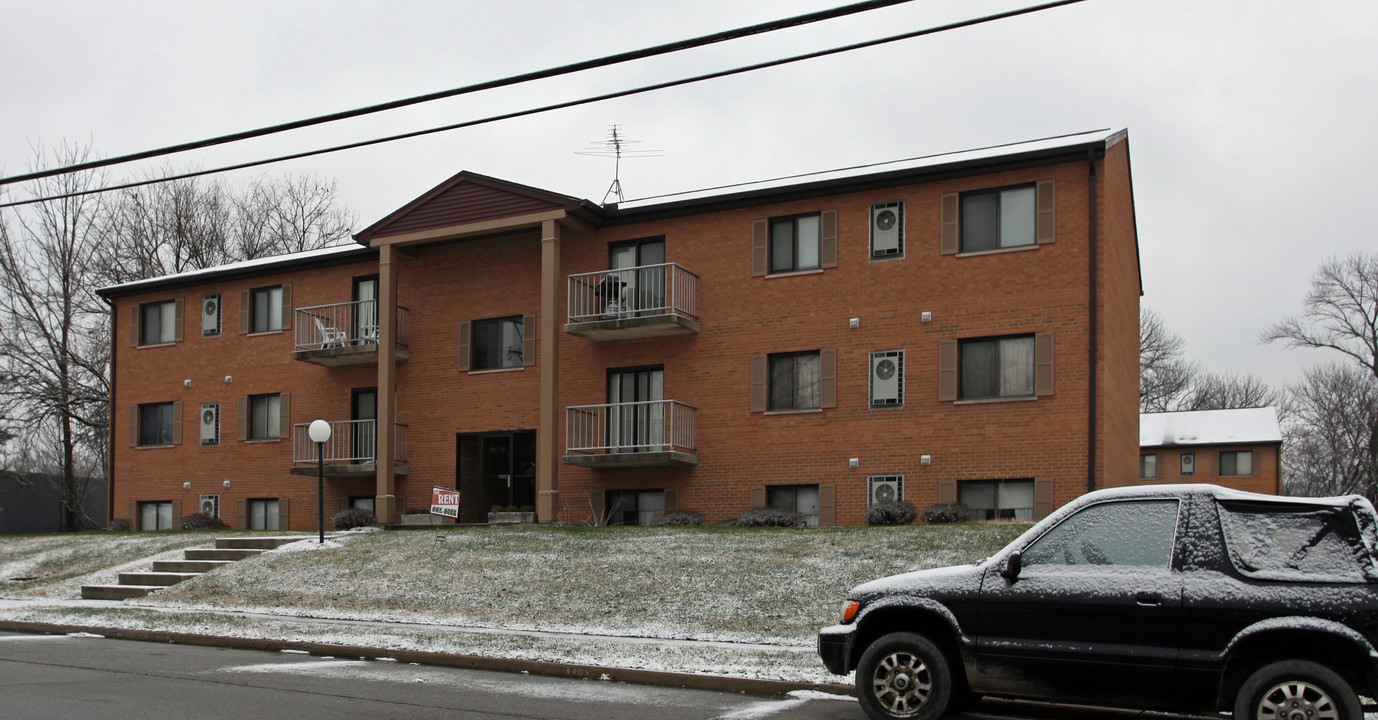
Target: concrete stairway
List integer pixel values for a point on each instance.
(195, 562)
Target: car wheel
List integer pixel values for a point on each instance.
(1296, 690)
(903, 675)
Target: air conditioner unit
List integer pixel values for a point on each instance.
(210, 505)
(887, 229)
(210, 315)
(886, 489)
(210, 424)
(887, 373)
(1188, 463)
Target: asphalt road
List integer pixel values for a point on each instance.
(56, 677)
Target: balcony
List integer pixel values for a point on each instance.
(633, 303)
(658, 433)
(344, 334)
(351, 451)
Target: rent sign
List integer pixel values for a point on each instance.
(445, 502)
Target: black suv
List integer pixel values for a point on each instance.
(1171, 597)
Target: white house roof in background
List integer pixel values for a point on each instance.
(1210, 427)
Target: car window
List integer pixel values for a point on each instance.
(1134, 533)
(1307, 544)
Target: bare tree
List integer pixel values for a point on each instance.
(290, 214)
(53, 331)
(1214, 391)
(1164, 373)
(167, 228)
(1326, 447)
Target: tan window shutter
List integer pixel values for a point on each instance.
(827, 505)
(466, 354)
(528, 340)
(1047, 212)
(760, 248)
(133, 426)
(287, 311)
(1043, 364)
(947, 371)
(285, 415)
(177, 422)
(759, 398)
(241, 519)
(177, 306)
(134, 516)
(243, 417)
(947, 492)
(245, 312)
(827, 239)
(950, 242)
(1043, 498)
(284, 514)
(177, 514)
(135, 317)
(827, 378)
(671, 500)
(758, 497)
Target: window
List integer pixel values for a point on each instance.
(887, 378)
(887, 230)
(155, 516)
(155, 424)
(802, 499)
(267, 309)
(1237, 463)
(998, 499)
(497, 343)
(263, 514)
(885, 488)
(210, 316)
(210, 424)
(1135, 534)
(794, 243)
(1306, 543)
(997, 367)
(794, 381)
(362, 502)
(999, 219)
(635, 507)
(158, 323)
(1148, 466)
(265, 417)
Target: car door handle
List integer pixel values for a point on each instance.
(1148, 599)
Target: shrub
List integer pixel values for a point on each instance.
(895, 512)
(351, 518)
(682, 517)
(769, 517)
(938, 514)
(201, 521)
(119, 525)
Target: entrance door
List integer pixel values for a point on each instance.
(496, 470)
(644, 291)
(636, 418)
(364, 438)
(365, 329)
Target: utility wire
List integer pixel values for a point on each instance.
(570, 103)
(605, 61)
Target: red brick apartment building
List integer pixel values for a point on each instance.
(955, 328)
(1238, 448)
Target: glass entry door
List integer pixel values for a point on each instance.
(364, 439)
(365, 328)
(496, 470)
(636, 418)
(643, 291)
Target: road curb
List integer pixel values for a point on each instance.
(749, 686)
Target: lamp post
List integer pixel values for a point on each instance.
(320, 432)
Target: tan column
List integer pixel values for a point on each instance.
(385, 504)
(547, 436)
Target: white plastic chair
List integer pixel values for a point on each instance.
(331, 337)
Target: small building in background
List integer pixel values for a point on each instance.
(32, 503)
(1240, 448)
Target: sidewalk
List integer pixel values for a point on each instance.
(455, 646)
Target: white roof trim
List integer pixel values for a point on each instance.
(262, 262)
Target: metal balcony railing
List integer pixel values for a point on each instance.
(352, 442)
(633, 292)
(635, 427)
(342, 325)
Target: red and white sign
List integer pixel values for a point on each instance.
(445, 502)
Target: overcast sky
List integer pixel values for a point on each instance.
(1250, 121)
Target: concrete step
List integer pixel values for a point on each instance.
(188, 566)
(117, 592)
(209, 554)
(155, 578)
(254, 543)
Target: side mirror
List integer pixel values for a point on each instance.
(1013, 563)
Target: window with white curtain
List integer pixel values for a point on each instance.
(794, 381)
(999, 219)
(997, 367)
(997, 499)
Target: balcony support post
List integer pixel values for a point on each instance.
(385, 501)
(548, 348)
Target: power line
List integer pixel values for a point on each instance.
(604, 61)
(567, 104)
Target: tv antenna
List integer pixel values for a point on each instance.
(615, 148)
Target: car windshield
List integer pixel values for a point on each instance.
(1297, 543)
